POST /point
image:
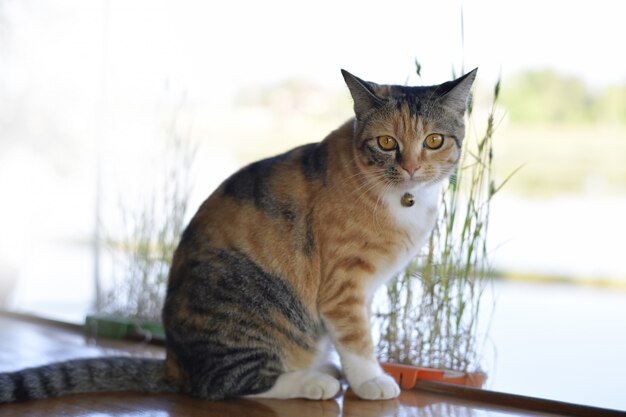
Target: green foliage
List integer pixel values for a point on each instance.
(547, 97)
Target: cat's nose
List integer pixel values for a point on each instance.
(411, 169)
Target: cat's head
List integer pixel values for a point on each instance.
(406, 137)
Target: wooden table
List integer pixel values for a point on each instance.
(26, 342)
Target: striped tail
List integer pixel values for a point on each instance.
(85, 375)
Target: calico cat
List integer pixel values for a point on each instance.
(283, 259)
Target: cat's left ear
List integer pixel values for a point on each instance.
(365, 99)
(455, 93)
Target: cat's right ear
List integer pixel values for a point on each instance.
(365, 99)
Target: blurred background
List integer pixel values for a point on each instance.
(102, 100)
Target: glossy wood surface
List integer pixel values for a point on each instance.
(26, 343)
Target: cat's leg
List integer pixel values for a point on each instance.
(366, 378)
(216, 373)
(347, 321)
(319, 381)
(306, 383)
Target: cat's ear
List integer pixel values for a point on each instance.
(365, 99)
(456, 92)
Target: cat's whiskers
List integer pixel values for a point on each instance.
(386, 188)
(365, 182)
(357, 176)
(363, 189)
(376, 219)
(344, 180)
(366, 186)
(437, 174)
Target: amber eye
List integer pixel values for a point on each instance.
(433, 141)
(387, 143)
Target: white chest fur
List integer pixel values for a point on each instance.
(414, 223)
(418, 220)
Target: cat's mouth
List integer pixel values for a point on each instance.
(407, 184)
(414, 181)
(402, 181)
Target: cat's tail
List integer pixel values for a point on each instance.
(85, 375)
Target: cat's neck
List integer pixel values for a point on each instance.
(421, 215)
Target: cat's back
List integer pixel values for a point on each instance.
(266, 210)
(266, 201)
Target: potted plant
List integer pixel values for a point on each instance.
(428, 315)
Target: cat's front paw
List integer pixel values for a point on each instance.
(382, 387)
(320, 387)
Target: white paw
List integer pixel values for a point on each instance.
(320, 387)
(382, 387)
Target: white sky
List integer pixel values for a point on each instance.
(245, 41)
(211, 48)
(241, 41)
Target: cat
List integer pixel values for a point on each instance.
(281, 262)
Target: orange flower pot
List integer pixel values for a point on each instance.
(407, 376)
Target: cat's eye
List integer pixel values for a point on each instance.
(387, 143)
(434, 141)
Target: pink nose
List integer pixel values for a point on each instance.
(411, 169)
